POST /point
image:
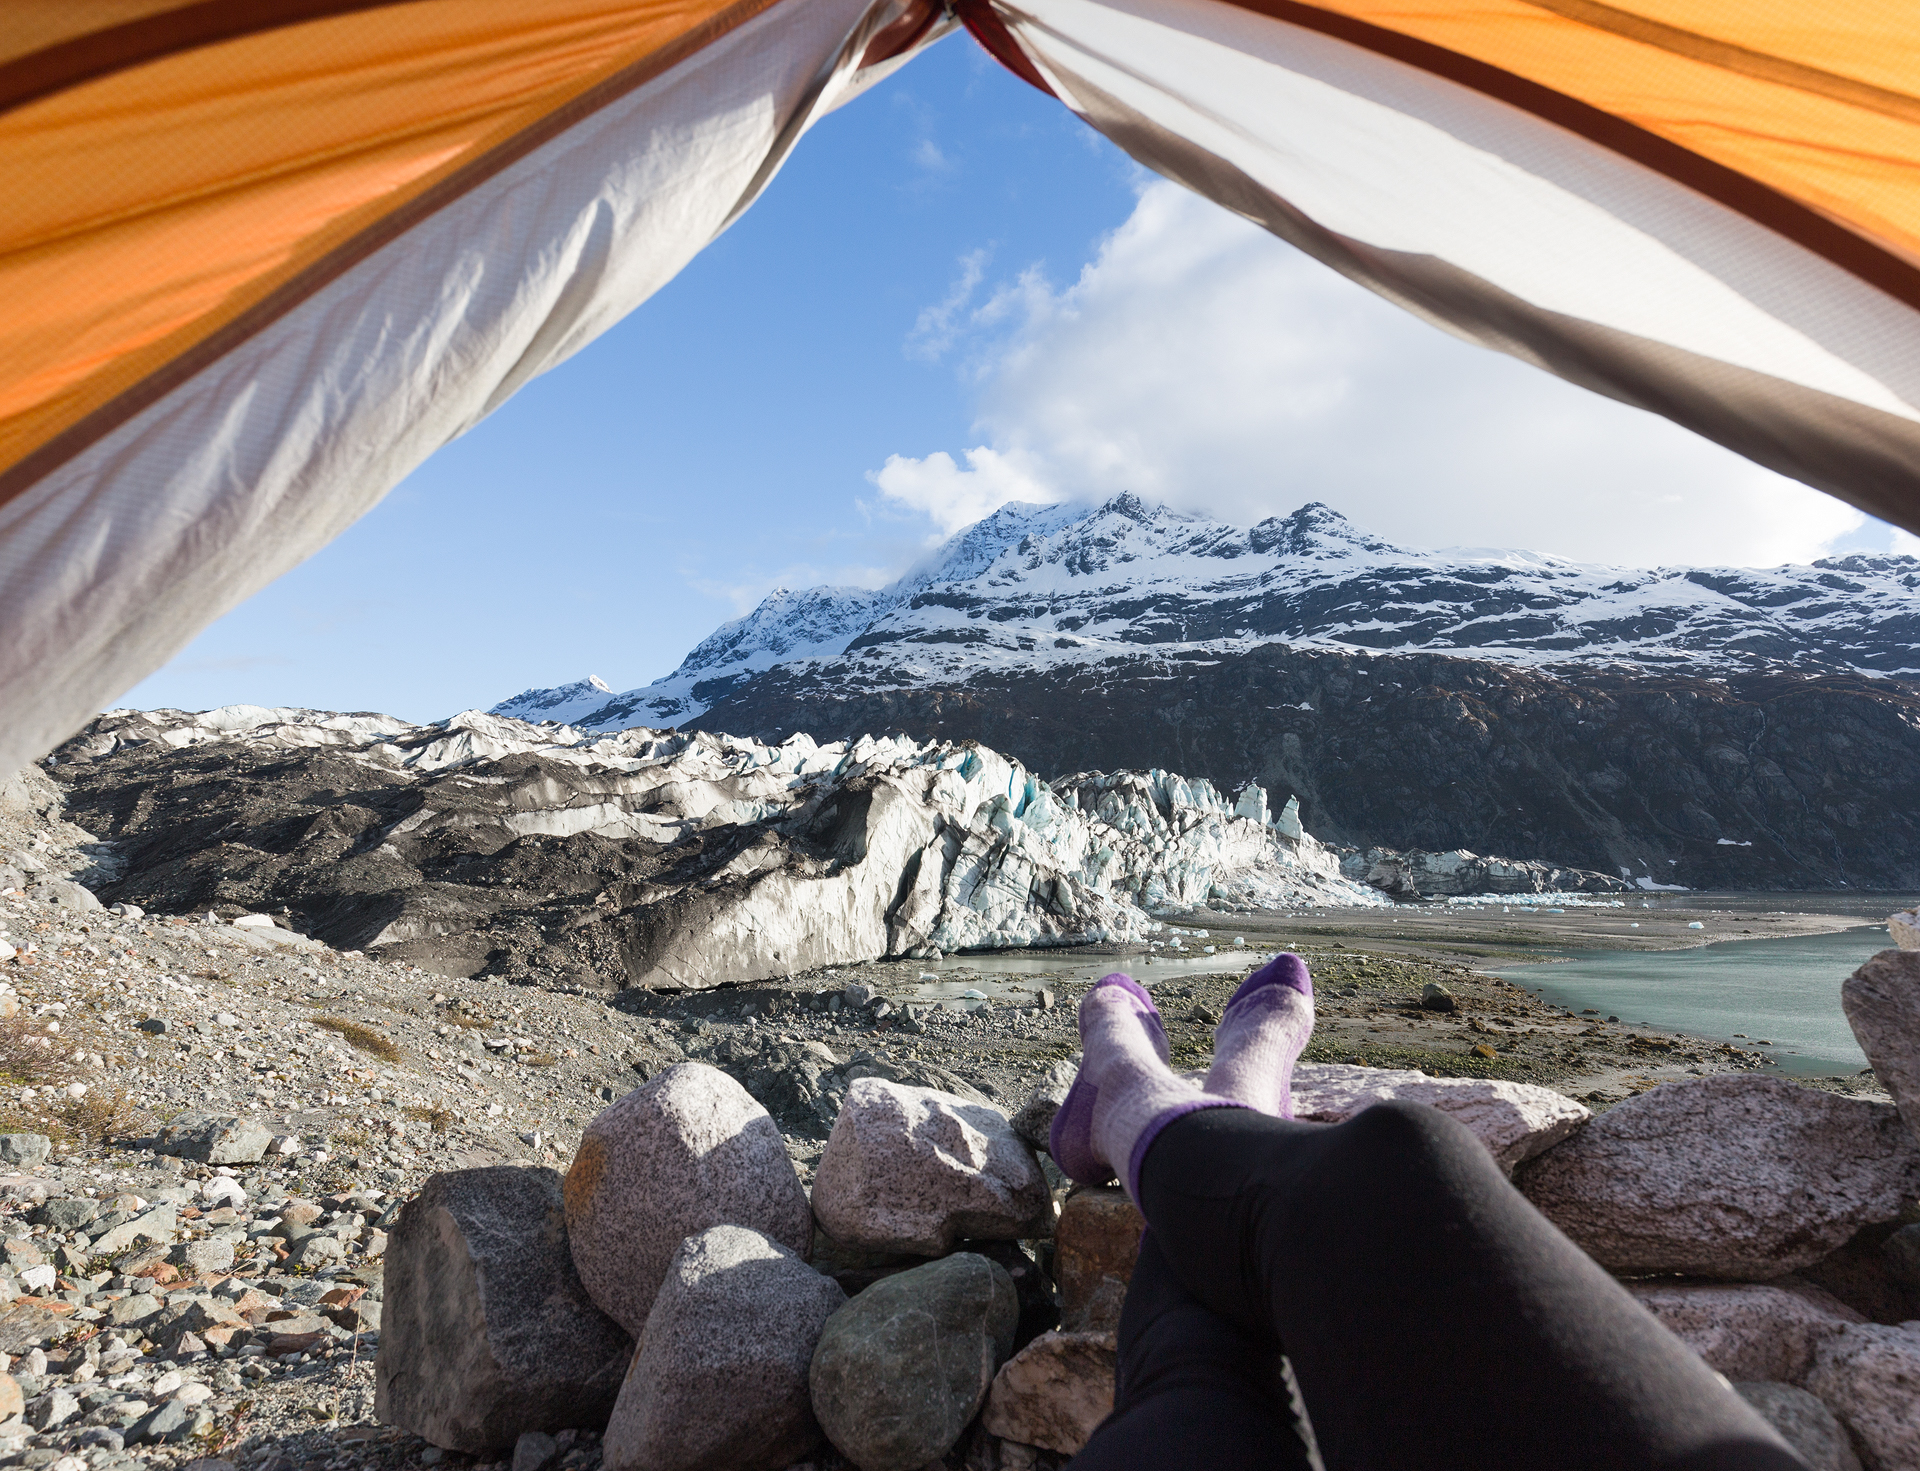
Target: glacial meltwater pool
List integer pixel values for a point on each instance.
(1786, 992)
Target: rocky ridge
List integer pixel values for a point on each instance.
(1047, 587)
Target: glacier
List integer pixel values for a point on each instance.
(667, 859)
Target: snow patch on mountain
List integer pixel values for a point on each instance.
(1067, 585)
(561, 705)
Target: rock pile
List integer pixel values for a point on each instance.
(913, 1340)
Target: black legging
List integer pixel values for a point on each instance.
(1432, 1316)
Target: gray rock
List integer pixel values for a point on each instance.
(1902, 1254)
(1034, 1118)
(55, 1407)
(1882, 1002)
(169, 1424)
(65, 893)
(1803, 1422)
(157, 1026)
(804, 1084)
(1436, 997)
(535, 1451)
(909, 1169)
(215, 1140)
(687, 1150)
(856, 993)
(133, 1310)
(204, 1258)
(67, 1214)
(315, 1250)
(904, 1367)
(488, 1332)
(737, 1309)
(155, 1224)
(1732, 1177)
(24, 1151)
(1869, 1375)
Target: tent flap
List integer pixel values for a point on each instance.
(262, 257)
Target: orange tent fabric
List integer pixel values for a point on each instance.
(262, 256)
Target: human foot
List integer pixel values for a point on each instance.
(1125, 1093)
(1070, 1140)
(1261, 1035)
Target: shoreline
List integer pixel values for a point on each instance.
(1371, 965)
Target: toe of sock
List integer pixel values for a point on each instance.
(1285, 969)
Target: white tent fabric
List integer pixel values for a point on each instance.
(116, 559)
(1505, 228)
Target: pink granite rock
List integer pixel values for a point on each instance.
(718, 1381)
(1053, 1393)
(1869, 1375)
(1748, 1330)
(1515, 1121)
(909, 1169)
(1731, 1177)
(486, 1330)
(1882, 1002)
(688, 1150)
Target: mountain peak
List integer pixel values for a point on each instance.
(562, 704)
(1035, 586)
(1316, 529)
(1132, 506)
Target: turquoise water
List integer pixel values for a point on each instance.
(1783, 991)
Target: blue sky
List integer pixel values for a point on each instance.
(954, 294)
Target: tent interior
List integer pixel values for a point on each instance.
(262, 259)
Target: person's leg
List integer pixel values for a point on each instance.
(1194, 1393)
(1432, 1316)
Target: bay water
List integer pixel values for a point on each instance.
(1783, 991)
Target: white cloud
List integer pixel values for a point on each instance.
(936, 327)
(951, 497)
(1199, 361)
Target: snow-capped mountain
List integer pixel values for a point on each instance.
(787, 626)
(1037, 586)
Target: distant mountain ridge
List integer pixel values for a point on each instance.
(1036, 586)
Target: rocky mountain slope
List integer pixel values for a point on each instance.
(1701, 727)
(650, 858)
(1762, 780)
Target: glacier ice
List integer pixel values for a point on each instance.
(841, 852)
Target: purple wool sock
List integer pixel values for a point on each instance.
(1261, 1035)
(1125, 1093)
(1070, 1139)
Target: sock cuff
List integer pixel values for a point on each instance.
(1160, 1121)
